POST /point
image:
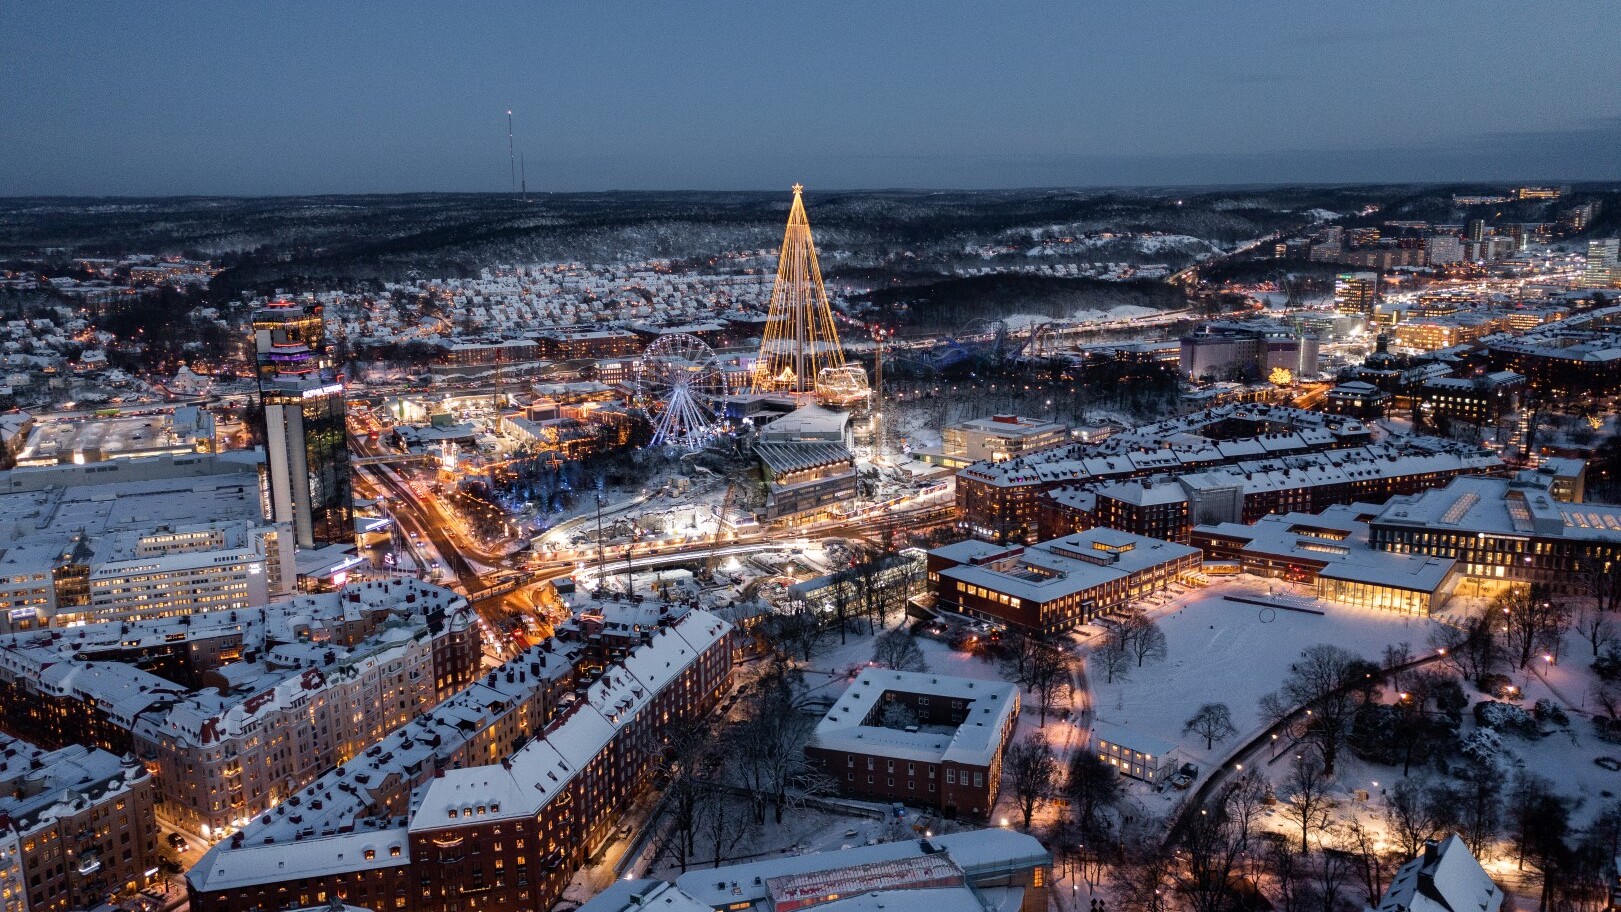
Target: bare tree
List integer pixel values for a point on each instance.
(1472, 645)
(1395, 658)
(1041, 667)
(844, 600)
(1330, 878)
(1595, 626)
(795, 634)
(1218, 840)
(769, 744)
(1144, 881)
(1092, 786)
(1288, 870)
(1603, 582)
(1326, 683)
(1533, 624)
(898, 649)
(1031, 771)
(872, 591)
(1309, 804)
(1538, 820)
(1373, 858)
(1213, 722)
(1113, 655)
(1049, 673)
(1411, 815)
(1015, 654)
(1480, 806)
(686, 754)
(1144, 639)
(722, 825)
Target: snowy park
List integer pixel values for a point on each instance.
(1223, 651)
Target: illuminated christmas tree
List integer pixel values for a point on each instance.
(800, 338)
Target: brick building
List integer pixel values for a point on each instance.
(77, 827)
(927, 740)
(506, 833)
(571, 345)
(1167, 507)
(1055, 585)
(1001, 501)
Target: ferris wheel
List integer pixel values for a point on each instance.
(679, 388)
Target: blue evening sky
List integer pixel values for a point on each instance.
(350, 96)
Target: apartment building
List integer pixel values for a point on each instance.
(281, 696)
(569, 345)
(76, 827)
(507, 834)
(1002, 501)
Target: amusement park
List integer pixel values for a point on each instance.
(691, 463)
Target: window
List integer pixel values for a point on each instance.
(951, 777)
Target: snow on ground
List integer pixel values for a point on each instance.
(1220, 651)
(1565, 754)
(1120, 312)
(803, 831)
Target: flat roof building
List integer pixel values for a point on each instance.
(144, 548)
(1055, 585)
(999, 437)
(1133, 753)
(949, 759)
(188, 429)
(1504, 530)
(992, 868)
(1331, 551)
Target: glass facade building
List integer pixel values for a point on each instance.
(308, 460)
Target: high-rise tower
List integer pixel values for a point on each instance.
(800, 338)
(288, 339)
(307, 456)
(306, 444)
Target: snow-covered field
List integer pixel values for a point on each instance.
(1220, 651)
(1119, 312)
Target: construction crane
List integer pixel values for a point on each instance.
(1289, 286)
(708, 572)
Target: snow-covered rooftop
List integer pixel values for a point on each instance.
(974, 742)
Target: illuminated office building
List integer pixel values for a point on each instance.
(306, 452)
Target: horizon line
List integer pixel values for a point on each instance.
(1607, 183)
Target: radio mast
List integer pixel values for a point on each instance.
(512, 158)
